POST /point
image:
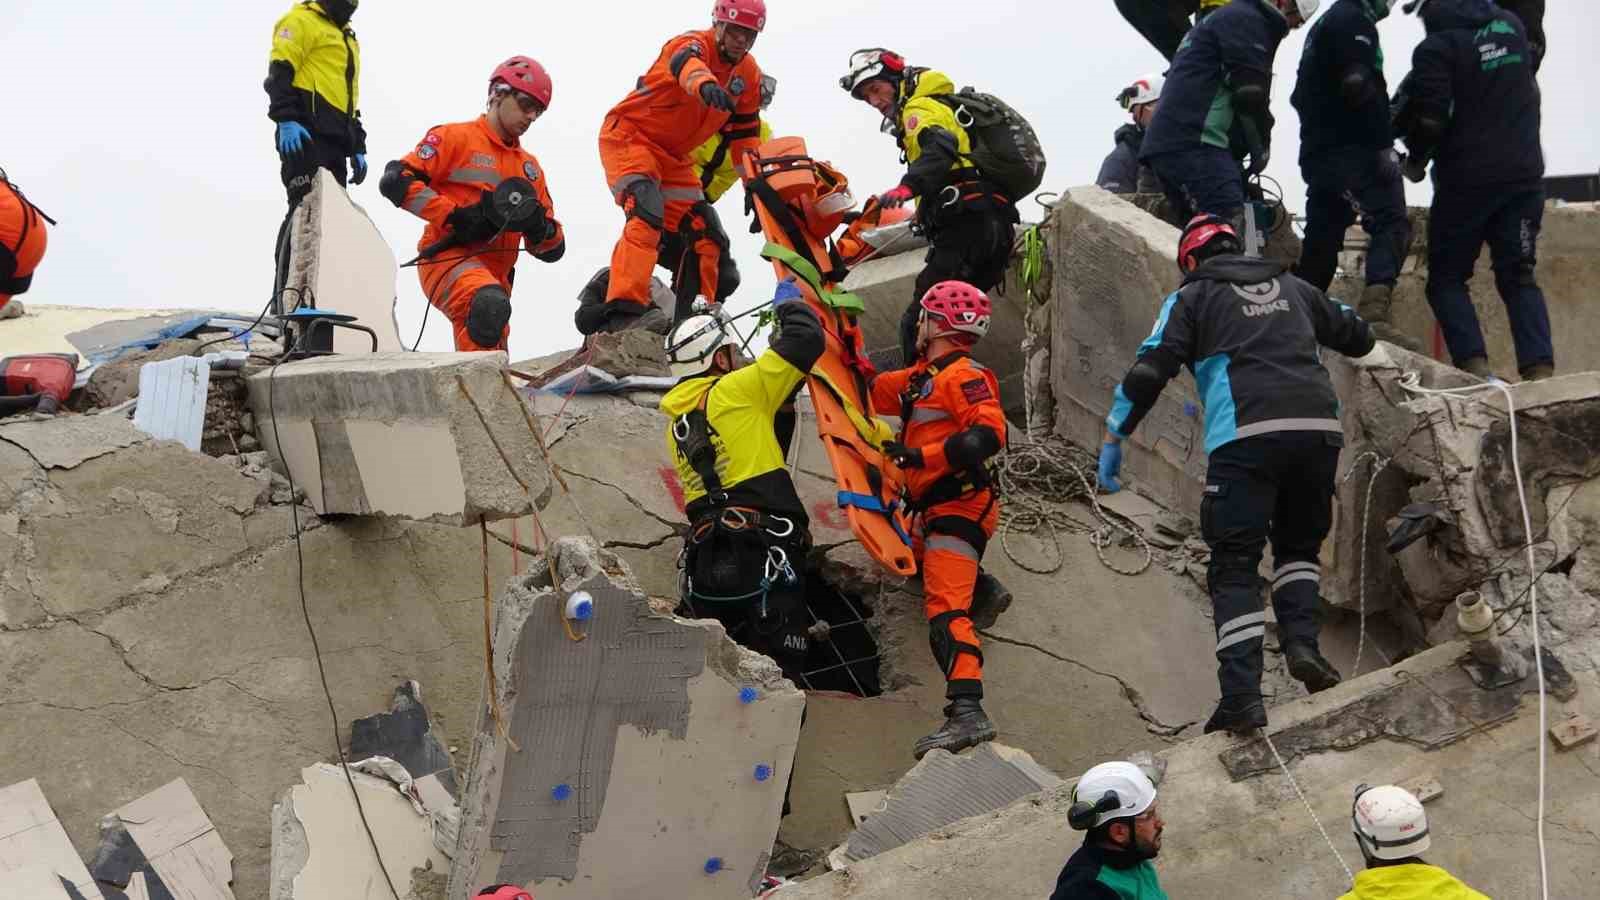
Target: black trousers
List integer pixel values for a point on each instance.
(776, 625)
(1276, 487)
(1341, 186)
(298, 174)
(974, 247)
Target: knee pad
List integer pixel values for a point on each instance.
(944, 644)
(488, 316)
(647, 205)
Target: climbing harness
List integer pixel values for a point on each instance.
(1039, 479)
(720, 543)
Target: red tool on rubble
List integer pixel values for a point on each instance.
(799, 202)
(39, 382)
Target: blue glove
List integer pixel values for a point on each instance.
(292, 138)
(787, 292)
(358, 165)
(1110, 466)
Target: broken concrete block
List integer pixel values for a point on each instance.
(113, 382)
(403, 735)
(945, 788)
(339, 259)
(1573, 731)
(182, 846)
(119, 862)
(67, 442)
(434, 437)
(1426, 788)
(864, 803)
(650, 758)
(320, 848)
(32, 839)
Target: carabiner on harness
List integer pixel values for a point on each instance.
(954, 193)
(962, 111)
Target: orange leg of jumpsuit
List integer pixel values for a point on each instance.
(949, 572)
(31, 249)
(450, 286)
(628, 158)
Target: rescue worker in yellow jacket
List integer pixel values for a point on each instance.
(1392, 829)
(969, 223)
(313, 82)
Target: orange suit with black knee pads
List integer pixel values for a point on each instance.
(950, 411)
(645, 146)
(22, 241)
(451, 168)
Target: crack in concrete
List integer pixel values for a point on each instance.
(180, 761)
(627, 496)
(1152, 724)
(607, 545)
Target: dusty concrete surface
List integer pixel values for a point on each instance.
(150, 629)
(637, 742)
(1222, 833)
(426, 436)
(1569, 267)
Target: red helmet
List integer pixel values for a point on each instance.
(1202, 230)
(964, 308)
(751, 14)
(524, 74)
(505, 892)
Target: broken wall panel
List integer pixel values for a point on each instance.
(181, 844)
(339, 260)
(432, 437)
(32, 839)
(653, 753)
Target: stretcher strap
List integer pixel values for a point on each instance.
(802, 267)
(870, 428)
(870, 503)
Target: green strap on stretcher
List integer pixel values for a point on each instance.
(872, 429)
(802, 267)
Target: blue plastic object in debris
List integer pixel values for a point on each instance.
(748, 695)
(763, 772)
(713, 865)
(561, 793)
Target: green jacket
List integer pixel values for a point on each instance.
(1096, 873)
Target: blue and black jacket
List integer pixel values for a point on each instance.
(1122, 173)
(1229, 49)
(1251, 333)
(1474, 72)
(1098, 873)
(1340, 91)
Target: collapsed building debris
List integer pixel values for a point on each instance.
(35, 854)
(404, 735)
(177, 843)
(569, 779)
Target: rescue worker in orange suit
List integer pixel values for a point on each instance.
(449, 181)
(969, 223)
(314, 88)
(951, 425)
(703, 83)
(22, 243)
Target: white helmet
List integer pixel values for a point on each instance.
(1146, 90)
(1306, 8)
(1109, 791)
(694, 344)
(874, 62)
(1388, 822)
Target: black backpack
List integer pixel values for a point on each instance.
(1005, 148)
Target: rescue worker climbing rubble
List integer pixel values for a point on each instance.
(1348, 158)
(969, 223)
(1122, 173)
(702, 84)
(1164, 22)
(1251, 334)
(313, 84)
(23, 238)
(1115, 804)
(449, 181)
(1472, 106)
(1391, 828)
(951, 425)
(1214, 108)
(743, 559)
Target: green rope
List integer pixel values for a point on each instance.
(1032, 270)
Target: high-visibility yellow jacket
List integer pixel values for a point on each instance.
(314, 77)
(934, 143)
(714, 163)
(1413, 881)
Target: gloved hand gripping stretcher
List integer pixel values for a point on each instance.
(799, 202)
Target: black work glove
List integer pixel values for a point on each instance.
(474, 223)
(1388, 164)
(716, 97)
(903, 456)
(537, 226)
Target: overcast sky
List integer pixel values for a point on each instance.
(142, 126)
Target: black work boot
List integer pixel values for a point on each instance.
(965, 725)
(1374, 309)
(990, 598)
(1309, 667)
(1240, 715)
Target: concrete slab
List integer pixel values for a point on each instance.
(32, 839)
(597, 722)
(320, 847)
(180, 843)
(430, 437)
(340, 259)
(68, 441)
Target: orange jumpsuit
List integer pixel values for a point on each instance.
(451, 168)
(960, 395)
(22, 242)
(645, 146)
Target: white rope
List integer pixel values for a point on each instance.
(1298, 793)
(1411, 382)
(1379, 464)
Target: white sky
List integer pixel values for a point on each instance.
(142, 126)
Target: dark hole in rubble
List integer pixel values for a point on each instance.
(844, 655)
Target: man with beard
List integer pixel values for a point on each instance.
(1115, 802)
